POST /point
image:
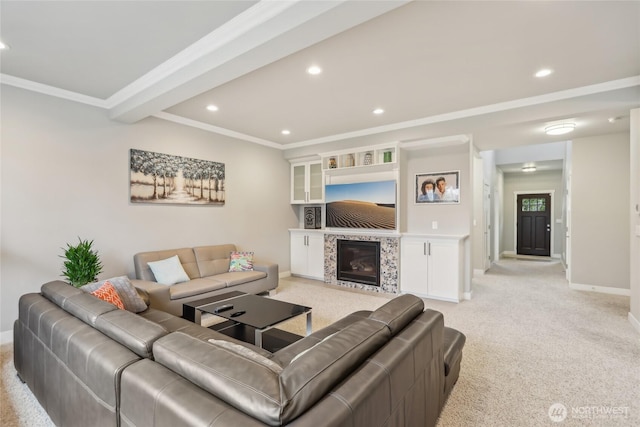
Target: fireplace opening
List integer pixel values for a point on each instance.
(359, 261)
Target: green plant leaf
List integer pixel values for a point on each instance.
(82, 263)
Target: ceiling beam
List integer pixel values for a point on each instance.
(264, 33)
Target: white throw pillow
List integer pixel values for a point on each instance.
(168, 271)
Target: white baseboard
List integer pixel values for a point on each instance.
(634, 322)
(467, 295)
(600, 289)
(6, 337)
(283, 274)
(478, 272)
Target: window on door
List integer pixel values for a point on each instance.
(534, 204)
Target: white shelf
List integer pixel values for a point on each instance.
(380, 157)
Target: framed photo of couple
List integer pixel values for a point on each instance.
(438, 187)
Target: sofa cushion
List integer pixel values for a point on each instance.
(127, 292)
(256, 388)
(240, 277)
(398, 312)
(247, 353)
(187, 259)
(132, 331)
(82, 305)
(240, 261)
(213, 259)
(58, 291)
(315, 373)
(195, 287)
(108, 293)
(168, 271)
(242, 382)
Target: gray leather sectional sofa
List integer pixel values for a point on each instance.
(89, 363)
(208, 269)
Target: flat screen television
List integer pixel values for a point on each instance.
(366, 205)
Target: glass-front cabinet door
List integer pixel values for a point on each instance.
(298, 185)
(315, 183)
(306, 183)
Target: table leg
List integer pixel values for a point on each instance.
(258, 340)
(309, 323)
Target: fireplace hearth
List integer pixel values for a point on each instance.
(359, 261)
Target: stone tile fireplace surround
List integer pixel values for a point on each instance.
(389, 260)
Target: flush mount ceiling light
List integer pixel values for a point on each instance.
(212, 107)
(378, 111)
(544, 72)
(314, 70)
(560, 128)
(529, 168)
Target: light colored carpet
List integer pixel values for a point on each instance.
(531, 343)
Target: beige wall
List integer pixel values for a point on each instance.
(451, 218)
(534, 182)
(634, 258)
(599, 223)
(64, 175)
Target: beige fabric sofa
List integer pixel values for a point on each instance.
(89, 363)
(208, 269)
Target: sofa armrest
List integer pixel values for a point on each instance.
(270, 268)
(153, 293)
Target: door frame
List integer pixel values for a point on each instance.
(552, 220)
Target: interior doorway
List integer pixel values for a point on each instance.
(533, 224)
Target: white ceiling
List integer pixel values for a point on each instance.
(437, 68)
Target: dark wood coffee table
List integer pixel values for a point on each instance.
(252, 319)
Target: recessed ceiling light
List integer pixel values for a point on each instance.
(378, 111)
(560, 128)
(613, 119)
(286, 132)
(3, 46)
(529, 168)
(314, 70)
(544, 72)
(212, 107)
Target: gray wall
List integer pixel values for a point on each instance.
(634, 314)
(533, 182)
(65, 174)
(599, 223)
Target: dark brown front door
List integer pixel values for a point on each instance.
(534, 224)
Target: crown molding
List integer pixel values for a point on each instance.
(52, 91)
(215, 129)
(477, 111)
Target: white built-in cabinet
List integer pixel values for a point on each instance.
(432, 266)
(307, 253)
(307, 185)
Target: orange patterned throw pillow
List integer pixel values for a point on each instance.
(109, 294)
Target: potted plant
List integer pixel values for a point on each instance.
(82, 264)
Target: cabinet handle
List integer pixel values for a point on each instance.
(429, 246)
(424, 248)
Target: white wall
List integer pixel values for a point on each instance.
(65, 174)
(532, 182)
(600, 211)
